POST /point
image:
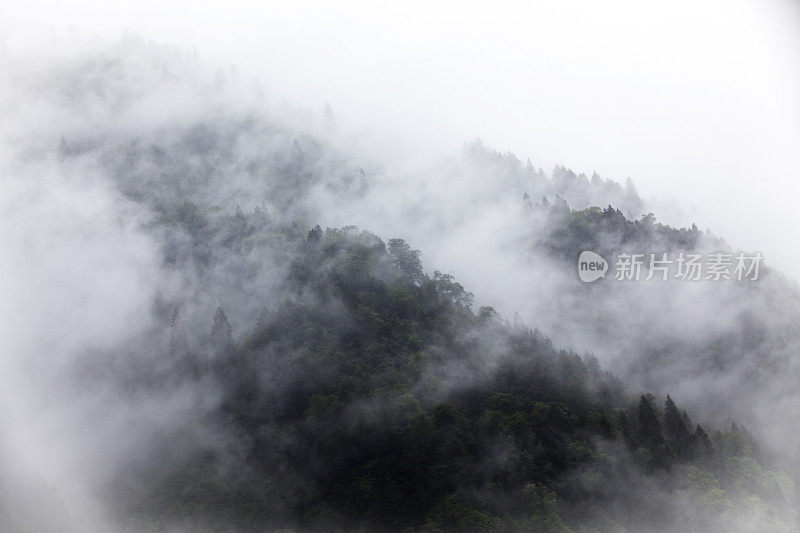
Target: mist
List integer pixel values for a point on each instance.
(576, 84)
(158, 222)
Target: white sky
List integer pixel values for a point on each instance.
(695, 101)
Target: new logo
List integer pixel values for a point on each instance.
(591, 266)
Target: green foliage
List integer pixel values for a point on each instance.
(607, 231)
(456, 515)
(544, 510)
(372, 397)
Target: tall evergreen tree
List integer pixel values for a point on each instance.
(221, 337)
(649, 431)
(675, 430)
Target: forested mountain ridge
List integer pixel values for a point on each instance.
(282, 375)
(385, 402)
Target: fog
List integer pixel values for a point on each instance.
(109, 136)
(696, 101)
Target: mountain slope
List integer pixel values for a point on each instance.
(213, 359)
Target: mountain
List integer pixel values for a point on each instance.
(221, 348)
(374, 398)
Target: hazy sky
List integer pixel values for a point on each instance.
(695, 101)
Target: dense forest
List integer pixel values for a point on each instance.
(271, 354)
(373, 397)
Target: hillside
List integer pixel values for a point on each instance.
(373, 397)
(260, 347)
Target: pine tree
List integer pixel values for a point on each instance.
(649, 431)
(221, 337)
(701, 442)
(64, 149)
(675, 429)
(296, 153)
(262, 320)
(178, 340)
